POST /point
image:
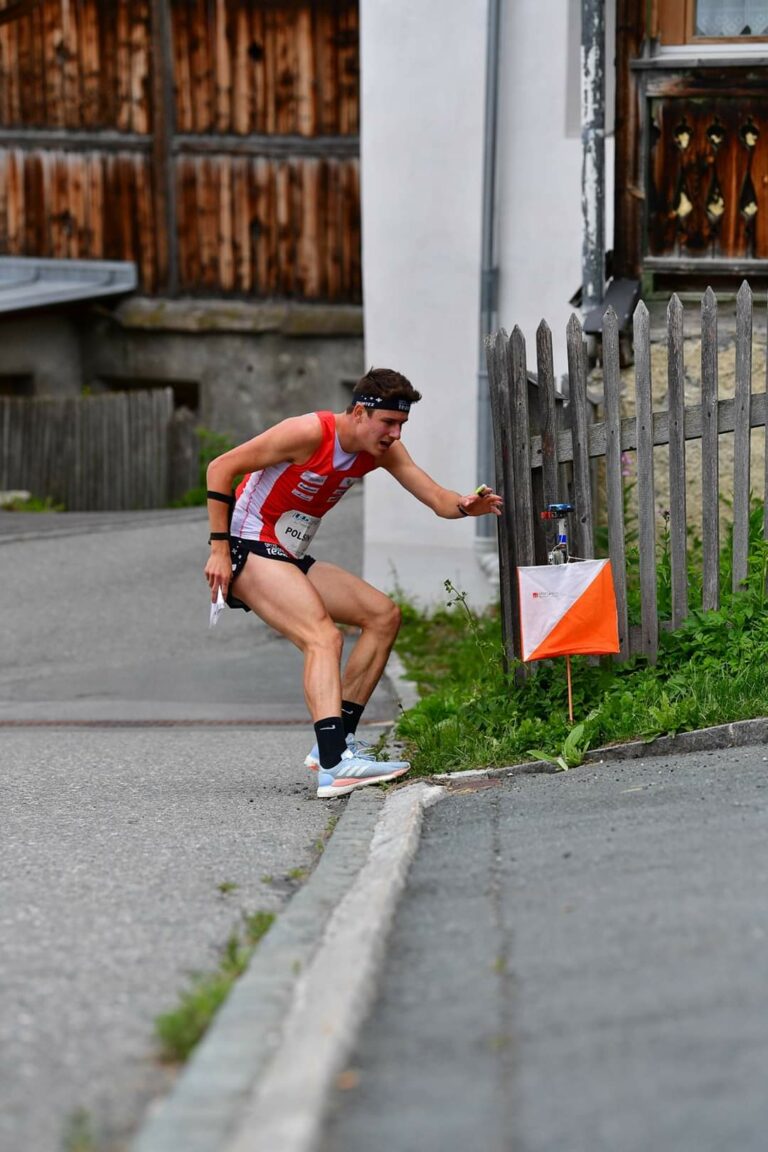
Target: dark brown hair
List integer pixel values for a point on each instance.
(386, 383)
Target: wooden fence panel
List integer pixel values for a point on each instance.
(522, 452)
(89, 453)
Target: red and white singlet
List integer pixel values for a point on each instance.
(284, 503)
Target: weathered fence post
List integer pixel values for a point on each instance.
(710, 468)
(549, 423)
(613, 478)
(520, 434)
(765, 443)
(678, 524)
(498, 381)
(741, 435)
(582, 487)
(649, 622)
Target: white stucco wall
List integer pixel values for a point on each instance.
(540, 160)
(540, 156)
(423, 77)
(422, 120)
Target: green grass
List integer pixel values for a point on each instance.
(78, 1135)
(33, 504)
(713, 670)
(209, 446)
(181, 1029)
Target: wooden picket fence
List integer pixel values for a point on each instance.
(89, 453)
(536, 466)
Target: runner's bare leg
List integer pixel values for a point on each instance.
(282, 595)
(350, 600)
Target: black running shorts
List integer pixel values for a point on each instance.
(240, 549)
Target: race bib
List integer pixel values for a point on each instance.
(295, 530)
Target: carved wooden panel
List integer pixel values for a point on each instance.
(707, 183)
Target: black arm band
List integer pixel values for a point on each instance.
(221, 496)
(218, 536)
(463, 511)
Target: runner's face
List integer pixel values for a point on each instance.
(381, 429)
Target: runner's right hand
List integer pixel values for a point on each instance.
(218, 570)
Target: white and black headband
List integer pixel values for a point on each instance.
(391, 405)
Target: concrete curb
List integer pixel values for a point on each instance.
(405, 690)
(736, 735)
(203, 1107)
(286, 1027)
(288, 1106)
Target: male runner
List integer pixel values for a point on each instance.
(295, 472)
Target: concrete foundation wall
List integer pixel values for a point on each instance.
(42, 352)
(241, 367)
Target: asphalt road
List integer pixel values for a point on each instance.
(105, 617)
(579, 963)
(121, 823)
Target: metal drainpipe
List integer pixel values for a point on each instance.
(489, 272)
(593, 152)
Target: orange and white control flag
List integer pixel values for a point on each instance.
(568, 610)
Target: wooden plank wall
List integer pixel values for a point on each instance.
(269, 227)
(519, 462)
(267, 69)
(262, 164)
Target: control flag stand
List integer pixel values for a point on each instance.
(568, 606)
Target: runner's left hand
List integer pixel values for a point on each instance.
(482, 502)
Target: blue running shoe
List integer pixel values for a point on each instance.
(355, 772)
(356, 746)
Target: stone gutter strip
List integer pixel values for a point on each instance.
(333, 997)
(202, 1110)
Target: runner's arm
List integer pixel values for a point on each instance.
(293, 440)
(444, 502)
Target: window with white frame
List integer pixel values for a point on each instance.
(731, 18)
(702, 22)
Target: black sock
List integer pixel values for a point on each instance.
(330, 741)
(350, 714)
